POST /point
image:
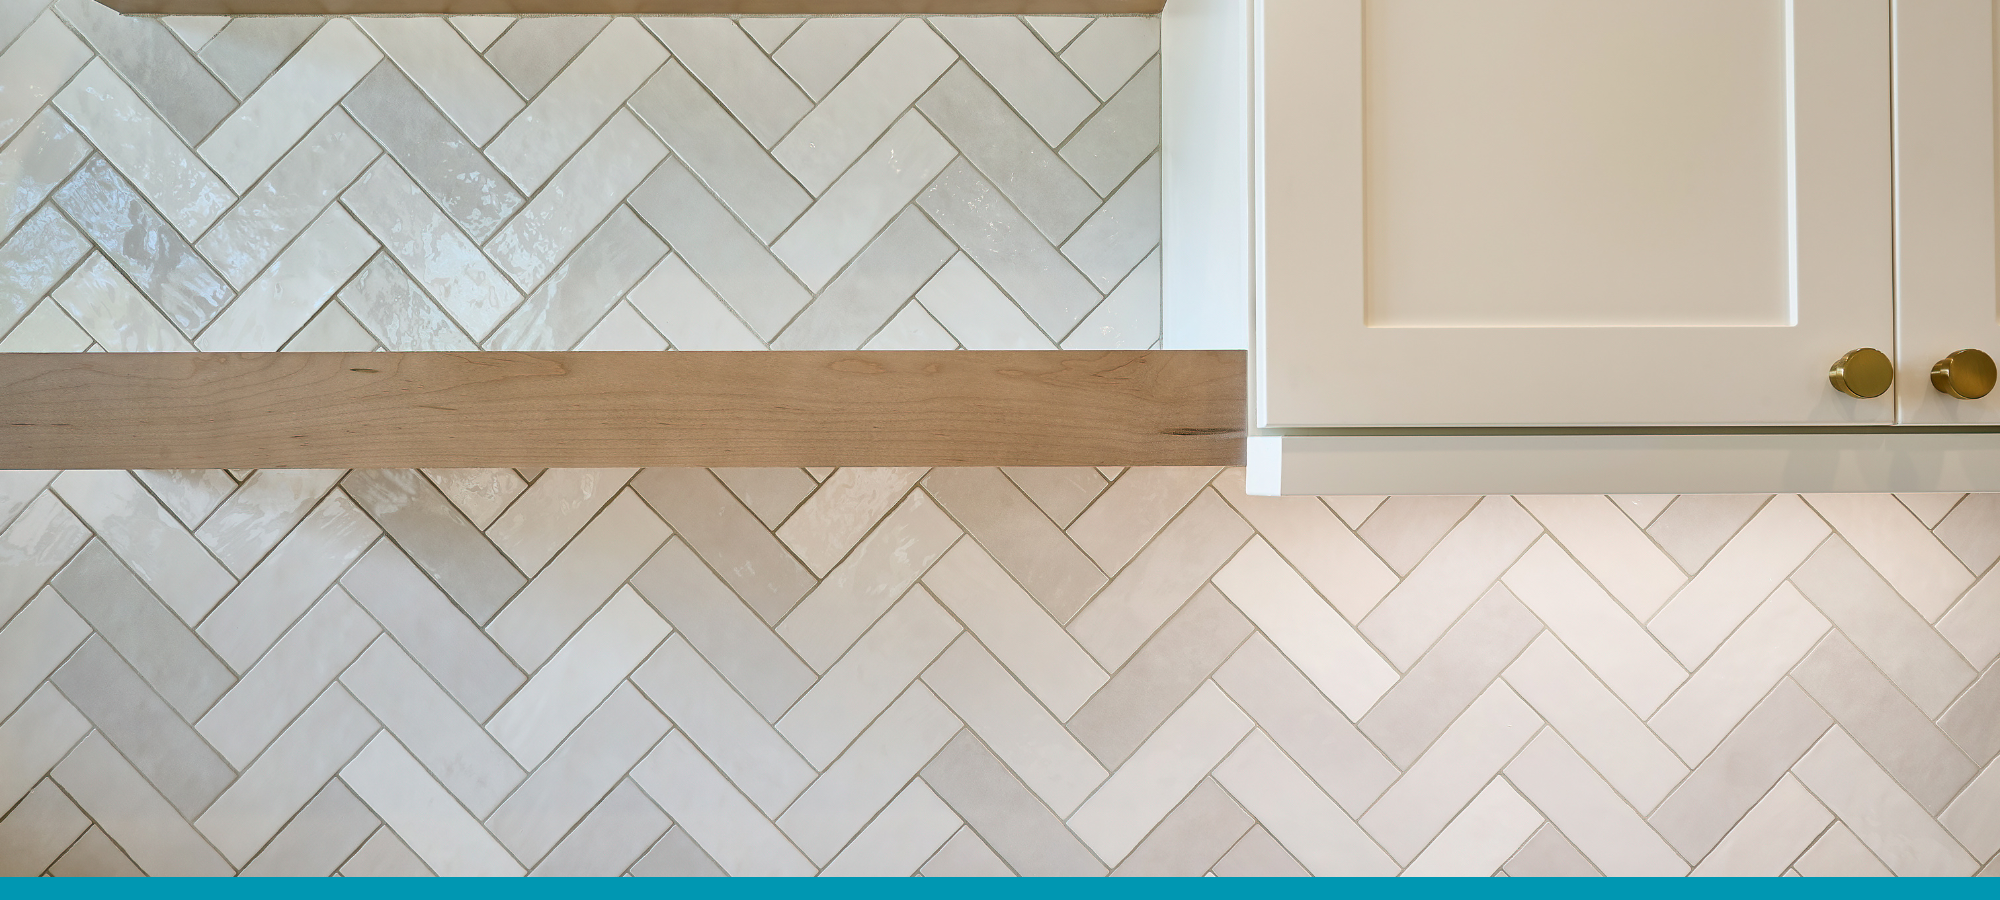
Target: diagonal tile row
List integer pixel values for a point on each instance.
(985, 671)
(424, 183)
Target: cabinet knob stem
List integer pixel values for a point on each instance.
(1865, 373)
(1967, 375)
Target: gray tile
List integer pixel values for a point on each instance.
(144, 247)
(1122, 134)
(1695, 526)
(610, 840)
(905, 835)
(869, 677)
(159, 646)
(1111, 50)
(706, 612)
(43, 157)
(1879, 718)
(49, 56)
(1192, 838)
(534, 49)
(583, 769)
(431, 248)
(157, 65)
(1159, 580)
(248, 50)
(39, 254)
(1009, 248)
(721, 153)
(37, 831)
(1018, 729)
(397, 312)
(1019, 536)
(1974, 720)
(1033, 80)
(384, 855)
(34, 738)
(1885, 628)
(143, 727)
(452, 745)
(1162, 675)
(438, 538)
(1740, 772)
(676, 856)
(1563, 787)
(1550, 855)
(883, 276)
(262, 606)
(1461, 568)
(824, 49)
(288, 198)
(1134, 509)
(578, 293)
(771, 31)
(262, 512)
(1972, 531)
(331, 827)
(424, 621)
(1450, 675)
(725, 254)
(287, 775)
(446, 164)
(303, 662)
(737, 71)
(595, 662)
(864, 780)
(95, 856)
(422, 813)
(868, 195)
(1008, 152)
(34, 642)
(964, 855)
(449, 71)
(729, 830)
(1005, 813)
(1305, 724)
(716, 526)
(1886, 819)
(587, 572)
(537, 143)
(16, 18)
(739, 741)
(1258, 855)
(1115, 239)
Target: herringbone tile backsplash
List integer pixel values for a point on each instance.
(855, 671)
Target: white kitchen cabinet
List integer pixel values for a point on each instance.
(1597, 245)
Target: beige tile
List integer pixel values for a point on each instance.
(727, 827)
(1728, 589)
(1589, 812)
(868, 678)
(745, 747)
(1839, 854)
(1887, 820)
(1461, 569)
(1745, 668)
(1769, 837)
(1188, 745)
(572, 588)
(843, 510)
(1189, 841)
(551, 512)
(1146, 593)
(864, 781)
(1595, 627)
(1302, 818)
(1974, 818)
(1133, 510)
(1599, 727)
(1612, 548)
(1482, 837)
(1455, 769)
(1892, 540)
(1894, 636)
(440, 832)
(1740, 771)
(1880, 718)
(1007, 523)
(1018, 631)
(1046, 756)
(857, 592)
(1311, 538)
(580, 675)
(1306, 629)
(1404, 529)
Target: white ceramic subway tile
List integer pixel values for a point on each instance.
(587, 669)
(287, 104)
(577, 103)
(449, 71)
(836, 132)
(863, 781)
(447, 838)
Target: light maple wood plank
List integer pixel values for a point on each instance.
(632, 7)
(365, 410)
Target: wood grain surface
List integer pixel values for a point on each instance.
(631, 7)
(761, 408)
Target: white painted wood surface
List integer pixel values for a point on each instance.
(1205, 53)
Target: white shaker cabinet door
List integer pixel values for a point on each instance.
(1571, 212)
(1948, 247)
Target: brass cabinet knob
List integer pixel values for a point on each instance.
(1967, 375)
(1866, 373)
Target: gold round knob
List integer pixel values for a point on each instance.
(1967, 375)
(1866, 373)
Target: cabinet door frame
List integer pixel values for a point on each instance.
(1319, 365)
(1948, 247)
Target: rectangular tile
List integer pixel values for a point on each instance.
(1482, 837)
(1162, 675)
(438, 538)
(1890, 538)
(1456, 573)
(1453, 771)
(35, 67)
(1880, 718)
(1772, 834)
(1306, 629)
(1015, 628)
(40, 540)
(115, 315)
(1550, 855)
(143, 727)
(1894, 636)
(735, 737)
(1741, 671)
(436, 633)
(575, 298)
(1740, 771)
(900, 839)
(435, 153)
(1191, 742)
(384, 300)
(1969, 531)
(1258, 855)
(38, 830)
(301, 761)
(1973, 625)
(1031, 78)
(1973, 722)
(862, 782)
(1020, 537)
(191, 494)
(1123, 133)
(1015, 726)
(332, 330)
(247, 50)
(610, 839)
(1610, 545)
(1599, 727)
(1008, 248)
(431, 248)
(819, 51)
(1301, 817)
(717, 527)
(1129, 317)
(1299, 719)
(33, 643)
(436, 731)
(1122, 233)
(1450, 675)
(733, 261)
(259, 514)
(1885, 818)
(1111, 49)
(561, 118)
(47, 329)
(565, 594)
(295, 573)
(882, 278)
(711, 617)
(674, 301)
(331, 827)
(976, 313)
(1974, 818)
(1595, 626)
(1004, 813)
(95, 856)
(700, 800)
(483, 494)
(32, 261)
(143, 823)
(165, 73)
(739, 74)
(47, 152)
(144, 247)
(1588, 812)
(1147, 591)
(450, 72)
(384, 855)
(1008, 152)
(851, 211)
(576, 198)
(1838, 854)
(842, 511)
(293, 288)
(532, 50)
(843, 605)
(36, 736)
(580, 772)
(449, 840)
(123, 127)
(1189, 841)
(1693, 527)
(1728, 589)
(964, 855)
(287, 104)
(868, 677)
(719, 150)
(289, 197)
(605, 650)
(159, 646)
(676, 855)
(550, 512)
(1337, 564)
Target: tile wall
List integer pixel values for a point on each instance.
(855, 671)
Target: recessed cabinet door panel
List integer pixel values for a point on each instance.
(1948, 247)
(1571, 212)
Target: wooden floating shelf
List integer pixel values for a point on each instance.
(630, 7)
(583, 409)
